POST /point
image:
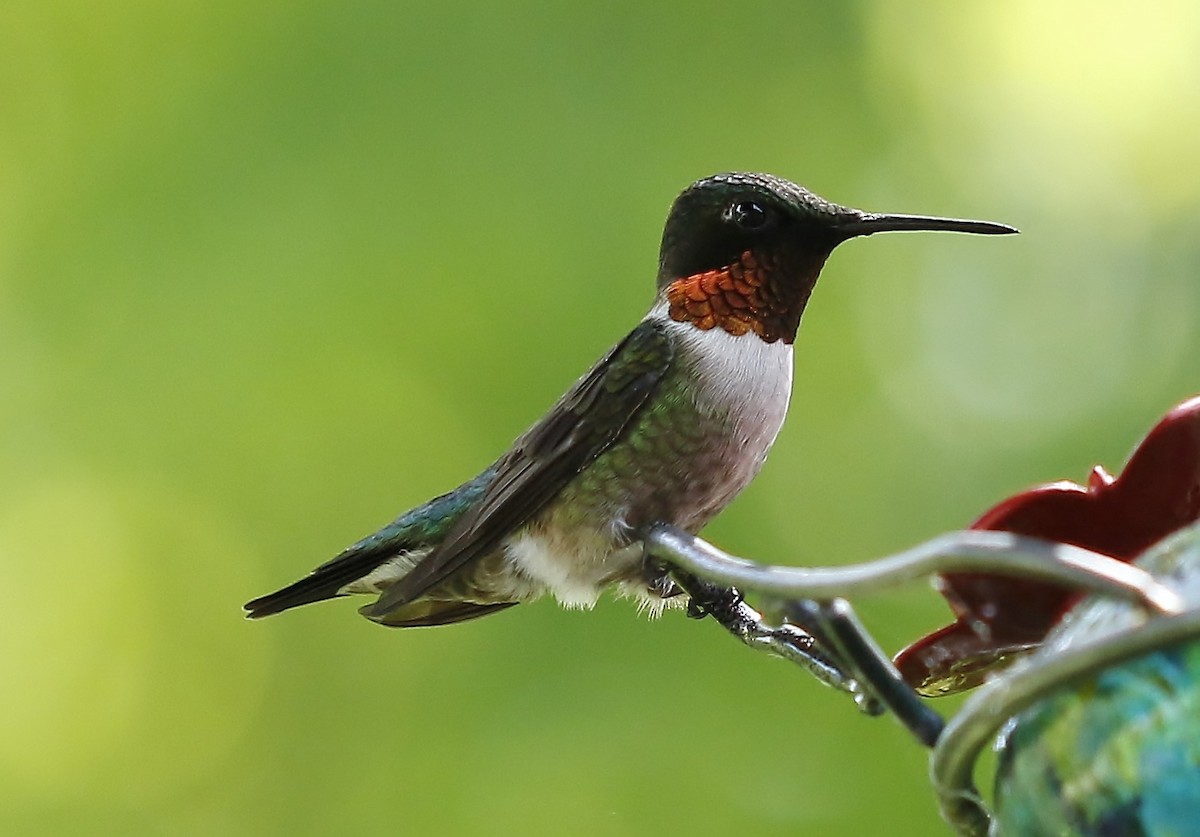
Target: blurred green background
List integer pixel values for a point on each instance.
(270, 273)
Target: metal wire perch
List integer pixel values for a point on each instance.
(1150, 600)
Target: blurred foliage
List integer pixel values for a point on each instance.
(270, 273)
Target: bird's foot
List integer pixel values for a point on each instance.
(660, 583)
(710, 600)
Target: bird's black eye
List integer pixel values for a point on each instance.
(748, 215)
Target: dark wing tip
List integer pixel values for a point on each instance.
(305, 591)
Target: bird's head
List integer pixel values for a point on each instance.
(742, 252)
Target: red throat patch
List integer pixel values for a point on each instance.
(738, 299)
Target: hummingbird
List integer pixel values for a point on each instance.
(668, 427)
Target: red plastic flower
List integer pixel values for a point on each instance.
(999, 618)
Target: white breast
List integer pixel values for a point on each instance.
(745, 372)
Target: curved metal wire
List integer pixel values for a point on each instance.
(997, 553)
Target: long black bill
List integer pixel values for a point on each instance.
(869, 223)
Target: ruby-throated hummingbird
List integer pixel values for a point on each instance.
(668, 427)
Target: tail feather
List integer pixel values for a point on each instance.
(418, 529)
(424, 614)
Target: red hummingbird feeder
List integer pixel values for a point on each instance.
(999, 618)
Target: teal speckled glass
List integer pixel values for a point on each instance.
(1116, 752)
